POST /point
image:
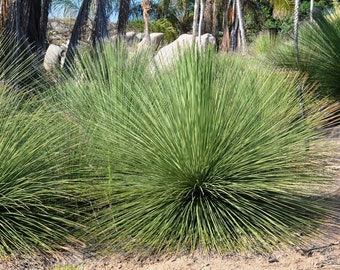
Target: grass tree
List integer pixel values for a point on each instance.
(209, 154)
(39, 166)
(318, 53)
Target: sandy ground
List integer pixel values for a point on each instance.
(323, 252)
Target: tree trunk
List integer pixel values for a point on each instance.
(99, 31)
(43, 24)
(201, 21)
(76, 32)
(214, 31)
(225, 46)
(195, 22)
(208, 17)
(311, 10)
(296, 30)
(146, 5)
(4, 7)
(123, 16)
(234, 30)
(241, 25)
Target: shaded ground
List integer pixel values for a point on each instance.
(323, 252)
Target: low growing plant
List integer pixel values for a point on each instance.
(211, 154)
(319, 56)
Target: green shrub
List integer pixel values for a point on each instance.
(38, 177)
(166, 27)
(161, 25)
(264, 44)
(40, 166)
(319, 53)
(19, 66)
(210, 154)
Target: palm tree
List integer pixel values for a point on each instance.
(99, 31)
(77, 31)
(146, 5)
(123, 16)
(241, 23)
(234, 26)
(27, 19)
(311, 10)
(195, 20)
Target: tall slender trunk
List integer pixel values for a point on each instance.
(123, 16)
(234, 30)
(208, 17)
(225, 46)
(296, 30)
(76, 32)
(241, 25)
(99, 31)
(4, 7)
(195, 21)
(214, 31)
(201, 20)
(311, 10)
(43, 24)
(146, 5)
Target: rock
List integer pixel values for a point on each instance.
(53, 56)
(139, 37)
(169, 53)
(130, 37)
(156, 39)
(272, 259)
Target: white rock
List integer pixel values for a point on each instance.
(139, 37)
(53, 56)
(130, 36)
(169, 53)
(156, 39)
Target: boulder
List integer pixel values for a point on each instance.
(156, 39)
(139, 37)
(130, 37)
(53, 56)
(169, 53)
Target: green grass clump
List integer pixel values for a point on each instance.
(40, 167)
(38, 177)
(319, 53)
(211, 154)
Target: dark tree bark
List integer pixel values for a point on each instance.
(208, 17)
(99, 31)
(31, 20)
(228, 20)
(43, 24)
(4, 11)
(123, 16)
(77, 31)
(22, 17)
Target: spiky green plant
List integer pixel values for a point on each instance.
(38, 178)
(264, 44)
(210, 154)
(319, 53)
(39, 164)
(19, 65)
